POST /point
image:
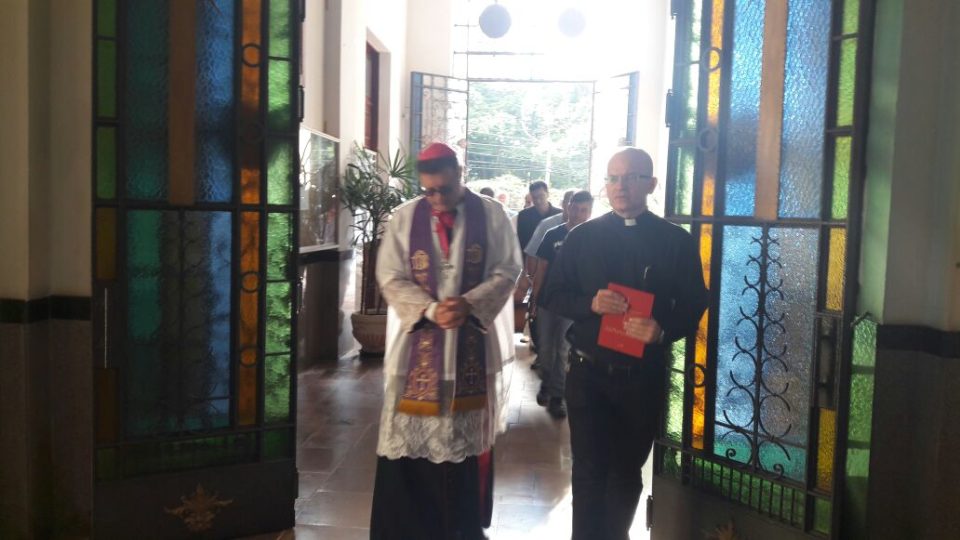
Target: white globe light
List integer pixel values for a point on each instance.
(495, 21)
(572, 22)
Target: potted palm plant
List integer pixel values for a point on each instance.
(373, 187)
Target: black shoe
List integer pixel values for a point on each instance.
(542, 398)
(556, 408)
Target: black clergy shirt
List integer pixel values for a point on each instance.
(527, 221)
(648, 253)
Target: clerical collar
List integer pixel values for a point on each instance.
(630, 222)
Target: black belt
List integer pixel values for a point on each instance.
(609, 367)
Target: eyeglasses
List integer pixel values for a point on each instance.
(629, 177)
(442, 190)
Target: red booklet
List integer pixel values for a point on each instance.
(612, 334)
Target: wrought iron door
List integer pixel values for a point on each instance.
(766, 144)
(438, 112)
(195, 173)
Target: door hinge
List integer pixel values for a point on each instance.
(301, 103)
(649, 512)
(668, 115)
(674, 8)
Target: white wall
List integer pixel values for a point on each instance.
(910, 263)
(14, 148)
(70, 147)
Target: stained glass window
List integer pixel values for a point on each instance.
(804, 103)
(744, 112)
(779, 140)
(193, 250)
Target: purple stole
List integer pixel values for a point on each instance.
(421, 394)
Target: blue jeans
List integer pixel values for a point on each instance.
(552, 351)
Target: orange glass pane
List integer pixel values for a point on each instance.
(827, 444)
(835, 268)
(698, 415)
(250, 129)
(106, 244)
(249, 317)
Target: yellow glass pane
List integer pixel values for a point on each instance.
(698, 415)
(835, 268)
(106, 244)
(713, 105)
(827, 444)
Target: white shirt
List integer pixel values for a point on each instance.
(450, 436)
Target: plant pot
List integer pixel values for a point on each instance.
(371, 331)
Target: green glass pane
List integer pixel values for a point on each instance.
(144, 273)
(858, 463)
(671, 462)
(851, 14)
(861, 407)
(675, 407)
(865, 343)
(107, 18)
(694, 29)
(691, 101)
(277, 444)
(841, 177)
(106, 78)
(106, 162)
(277, 388)
(157, 457)
(281, 169)
(821, 516)
(683, 197)
(279, 92)
(107, 464)
(280, 28)
(279, 245)
(848, 73)
(278, 317)
(678, 354)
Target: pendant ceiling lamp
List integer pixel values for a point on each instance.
(495, 21)
(572, 22)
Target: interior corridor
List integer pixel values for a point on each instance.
(338, 412)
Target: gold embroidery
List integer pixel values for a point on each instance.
(420, 260)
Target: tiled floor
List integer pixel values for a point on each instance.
(339, 408)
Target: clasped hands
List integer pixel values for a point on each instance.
(607, 302)
(452, 312)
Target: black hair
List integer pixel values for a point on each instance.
(434, 166)
(539, 184)
(581, 197)
(487, 191)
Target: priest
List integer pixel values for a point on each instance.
(447, 266)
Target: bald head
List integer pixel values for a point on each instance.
(631, 160)
(629, 180)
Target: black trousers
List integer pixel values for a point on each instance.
(415, 499)
(613, 420)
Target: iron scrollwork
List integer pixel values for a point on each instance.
(768, 323)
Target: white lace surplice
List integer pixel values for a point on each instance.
(449, 437)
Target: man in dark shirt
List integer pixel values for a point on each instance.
(614, 400)
(553, 349)
(527, 221)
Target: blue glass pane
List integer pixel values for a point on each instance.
(145, 99)
(204, 344)
(764, 355)
(737, 341)
(804, 99)
(214, 98)
(178, 321)
(744, 112)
